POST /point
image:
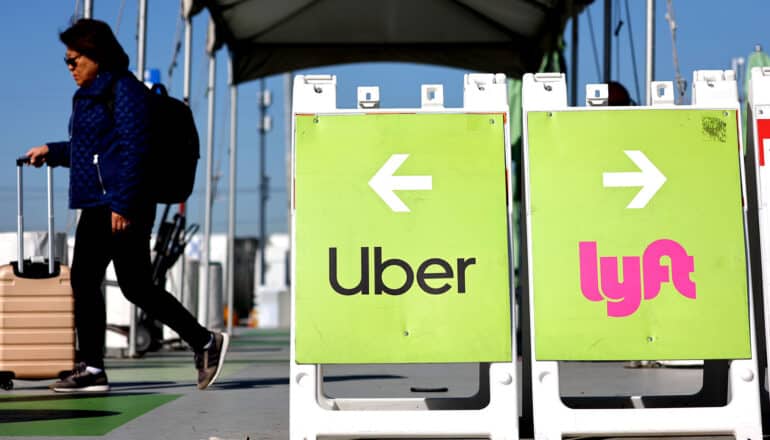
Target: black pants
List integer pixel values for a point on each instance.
(129, 250)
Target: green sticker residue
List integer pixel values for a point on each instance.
(714, 129)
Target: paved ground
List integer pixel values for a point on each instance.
(155, 397)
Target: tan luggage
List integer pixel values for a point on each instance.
(37, 335)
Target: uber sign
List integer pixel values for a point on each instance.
(401, 238)
(379, 267)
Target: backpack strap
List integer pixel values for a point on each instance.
(110, 98)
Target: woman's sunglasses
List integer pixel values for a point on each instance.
(72, 62)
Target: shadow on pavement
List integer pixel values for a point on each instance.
(236, 384)
(60, 397)
(34, 415)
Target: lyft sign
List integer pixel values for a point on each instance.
(623, 290)
(636, 235)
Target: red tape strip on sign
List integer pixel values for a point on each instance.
(763, 133)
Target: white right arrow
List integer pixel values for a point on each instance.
(384, 183)
(649, 178)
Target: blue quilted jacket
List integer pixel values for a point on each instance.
(108, 145)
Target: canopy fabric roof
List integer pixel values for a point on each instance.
(266, 37)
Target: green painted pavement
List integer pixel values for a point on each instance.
(456, 231)
(73, 415)
(703, 313)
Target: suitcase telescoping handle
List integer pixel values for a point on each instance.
(20, 217)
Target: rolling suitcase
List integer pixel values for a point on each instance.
(37, 335)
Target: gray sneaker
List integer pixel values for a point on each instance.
(81, 380)
(209, 361)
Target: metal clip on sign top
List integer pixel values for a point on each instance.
(759, 87)
(597, 95)
(662, 93)
(714, 88)
(368, 97)
(485, 92)
(545, 91)
(570, 155)
(315, 93)
(432, 96)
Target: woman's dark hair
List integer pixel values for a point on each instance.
(95, 39)
(618, 95)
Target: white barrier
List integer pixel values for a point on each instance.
(419, 324)
(759, 153)
(582, 310)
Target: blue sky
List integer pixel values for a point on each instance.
(36, 94)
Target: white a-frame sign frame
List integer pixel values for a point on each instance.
(553, 419)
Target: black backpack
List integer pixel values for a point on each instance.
(174, 148)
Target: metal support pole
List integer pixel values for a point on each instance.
(140, 56)
(288, 135)
(650, 55)
(203, 288)
(20, 219)
(573, 83)
(607, 41)
(187, 59)
(88, 12)
(230, 275)
(51, 237)
(262, 182)
(737, 66)
(186, 100)
(141, 39)
(88, 9)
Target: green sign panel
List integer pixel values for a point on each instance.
(401, 239)
(637, 239)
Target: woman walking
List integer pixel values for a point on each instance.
(107, 154)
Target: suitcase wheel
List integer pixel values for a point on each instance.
(7, 384)
(143, 340)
